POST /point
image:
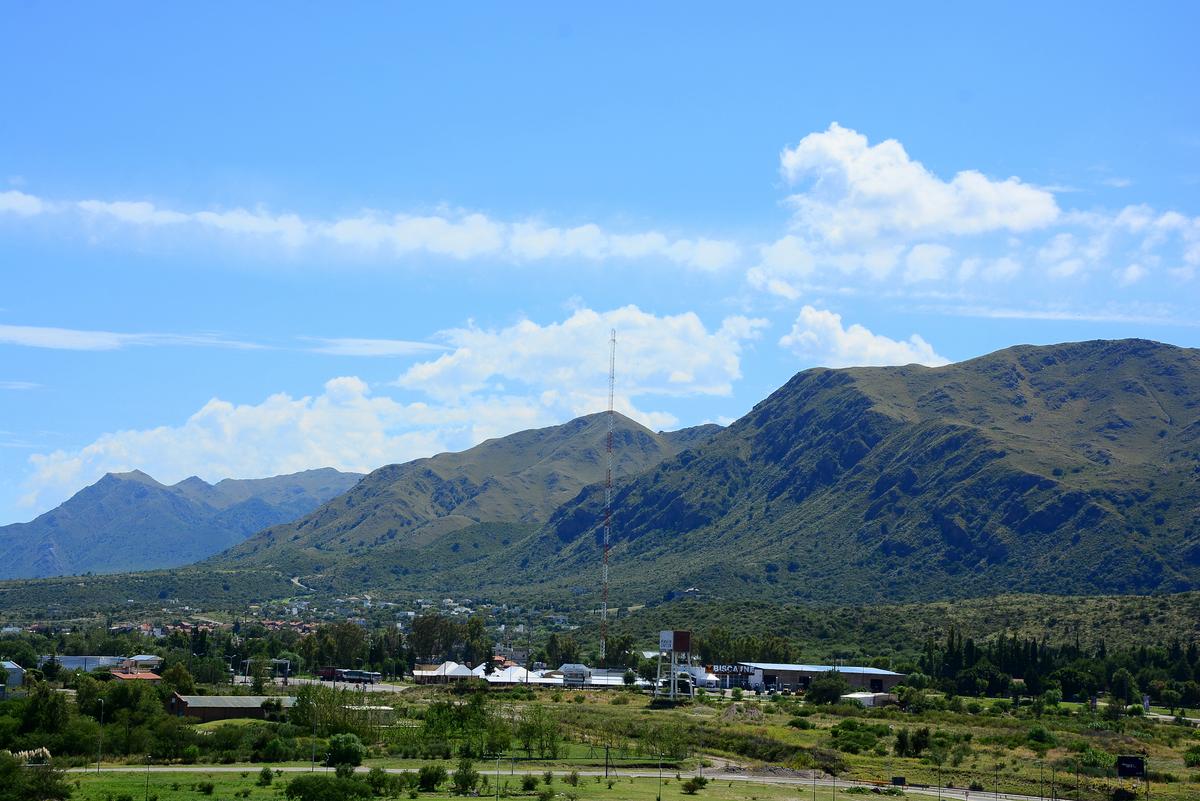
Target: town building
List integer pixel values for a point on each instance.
(13, 677)
(780, 676)
(207, 708)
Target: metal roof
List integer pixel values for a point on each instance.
(870, 671)
(235, 701)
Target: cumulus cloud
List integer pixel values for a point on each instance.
(1131, 274)
(819, 337)
(858, 191)
(487, 383)
(927, 263)
(21, 204)
(659, 355)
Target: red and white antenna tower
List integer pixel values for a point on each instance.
(612, 372)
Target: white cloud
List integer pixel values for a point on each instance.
(857, 191)
(449, 233)
(19, 203)
(343, 427)
(927, 263)
(818, 336)
(490, 383)
(77, 339)
(373, 347)
(671, 355)
(19, 385)
(1131, 275)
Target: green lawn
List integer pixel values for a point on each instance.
(227, 786)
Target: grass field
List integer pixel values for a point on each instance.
(190, 787)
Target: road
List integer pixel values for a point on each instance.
(785, 781)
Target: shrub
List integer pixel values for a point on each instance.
(379, 781)
(191, 755)
(694, 784)
(323, 787)
(430, 777)
(529, 783)
(465, 777)
(1191, 757)
(548, 777)
(345, 749)
(265, 777)
(206, 788)
(545, 794)
(572, 778)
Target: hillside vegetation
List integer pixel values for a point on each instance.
(426, 515)
(1063, 469)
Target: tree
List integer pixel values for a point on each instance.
(178, 679)
(828, 688)
(1123, 687)
(41, 783)
(345, 749)
(430, 777)
(465, 777)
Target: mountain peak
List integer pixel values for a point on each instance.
(136, 476)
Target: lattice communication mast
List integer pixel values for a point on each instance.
(612, 368)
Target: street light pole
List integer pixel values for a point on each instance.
(100, 741)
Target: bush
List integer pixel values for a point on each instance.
(548, 777)
(828, 688)
(529, 783)
(692, 785)
(1191, 757)
(465, 777)
(545, 794)
(323, 787)
(379, 781)
(345, 749)
(191, 755)
(206, 788)
(265, 777)
(430, 777)
(572, 778)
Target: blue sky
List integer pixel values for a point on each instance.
(276, 238)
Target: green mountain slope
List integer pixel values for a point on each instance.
(129, 521)
(1066, 469)
(492, 495)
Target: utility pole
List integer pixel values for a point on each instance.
(612, 366)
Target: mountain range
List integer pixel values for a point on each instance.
(129, 521)
(1070, 468)
(401, 515)
(1060, 469)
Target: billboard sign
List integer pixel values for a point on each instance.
(1131, 767)
(680, 641)
(733, 670)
